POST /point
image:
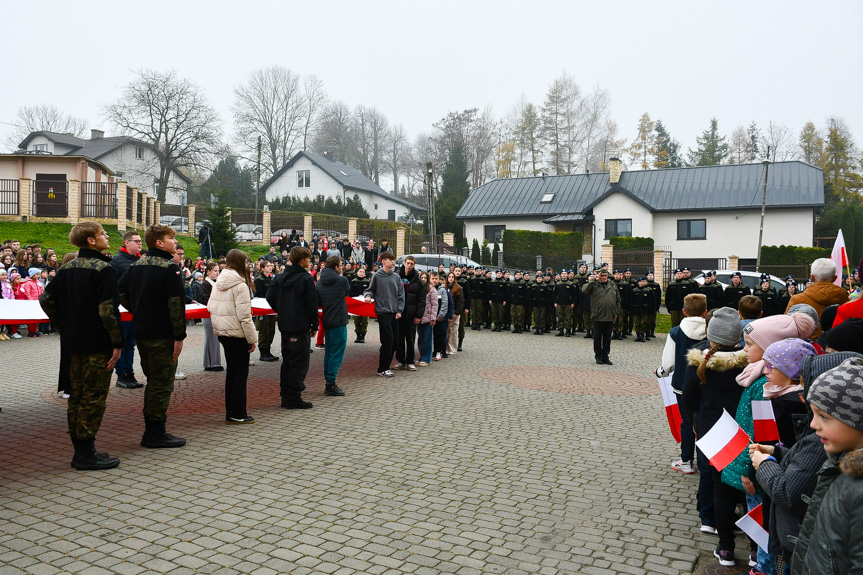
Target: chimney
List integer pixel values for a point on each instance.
(330, 156)
(615, 167)
(96, 134)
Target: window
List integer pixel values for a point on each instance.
(304, 179)
(391, 215)
(618, 228)
(691, 229)
(40, 148)
(494, 234)
(376, 206)
(139, 152)
(546, 198)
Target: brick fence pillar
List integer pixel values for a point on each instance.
(25, 197)
(266, 219)
(74, 201)
(307, 227)
(157, 211)
(151, 207)
(400, 242)
(733, 262)
(191, 218)
(659, 267)
(144, 204)
(121, 205)
(449, 239)
(352, 229)
(607, 255)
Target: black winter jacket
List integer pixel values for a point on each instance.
(720, 391)
(122, 262)
(332, 291)
(293, 297)
(415, 294)
(152, 289)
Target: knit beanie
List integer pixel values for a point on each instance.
(815, 365)
(847, 336)
(839, 393)
(771, 329)
(828, 316)
(804, 308)
(787, 356)
(724, 327)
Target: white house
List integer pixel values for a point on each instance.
(130, 159)
(309, 175)
(699, 212)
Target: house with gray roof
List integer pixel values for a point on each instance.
(130, 159)
(308, 175)
(698, 212)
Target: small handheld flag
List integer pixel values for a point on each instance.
(764, 421)
(725, 441)
(672, 409)
(753, 525)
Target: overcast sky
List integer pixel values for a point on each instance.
(683, 62)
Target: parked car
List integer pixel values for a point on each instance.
(751, 279)
(249, 232)
(180, 225)
(430, 262)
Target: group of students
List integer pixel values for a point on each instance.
(810, 481)
(24, 273)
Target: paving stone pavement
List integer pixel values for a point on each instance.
(519, 455)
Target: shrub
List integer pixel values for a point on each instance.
(547, 244)
(627, 243)
(791, 255)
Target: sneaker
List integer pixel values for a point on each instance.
(251, 362)
(214, 368)
(411, 367)
(65, 396)
(240, 420)
(753, 559)
(333, 390)
(386, 373)
(179, 375)
(726, 558)
(16, 336)
(398, 366)
(709, 529)
(422, 364)
(319, 346)
(683, 466)
(437, 357)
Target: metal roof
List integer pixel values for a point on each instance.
(672, 189)
(348, 176)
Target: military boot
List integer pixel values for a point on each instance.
(155, 436)
(87, 458)
(559, 333)
(589, 334)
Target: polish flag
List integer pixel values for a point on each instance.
(765, 421)
(725, 441)
(840, 257)
(672, 409)
(753, 525)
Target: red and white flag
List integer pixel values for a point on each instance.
(672, 409)
(764, 421)
(839, 257)
(725, 441)
(753, 525)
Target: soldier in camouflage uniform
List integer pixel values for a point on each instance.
(82, 302)
(625, 305)
(478, 295)
(152, 289)
(564, 302)
(657, 303)
(359, 284)
(539, 297)
(642, 306)
(498, 295)
(518, 293)
(582, 311)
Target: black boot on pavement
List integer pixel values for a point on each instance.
(87, 458)
(296, 403)
(333, 390)
(128, 382)
(559, 333)
(589, 334)
(155, 437)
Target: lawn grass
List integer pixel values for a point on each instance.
(663, 323)
(56, 236)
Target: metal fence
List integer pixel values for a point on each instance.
(694, 264)
(800, 272)
(530, 262)
(639, 261)
(288, 222)
(433, 244)
(9, 197)
(98, 200)
(50, 198)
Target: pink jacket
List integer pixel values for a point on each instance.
(6, 290)
(431, 307)
(29, 289)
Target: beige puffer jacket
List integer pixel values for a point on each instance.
(230, 307)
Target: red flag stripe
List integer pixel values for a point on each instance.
(732, 449)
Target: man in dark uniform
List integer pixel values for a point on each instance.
(539, 298)
(736, 290)
(498, 296)
(657, 303)
(768, 296)
(359, 283)
(582, 312)
(518, 294)
(486, 302)
(564, 302)
(642, 306)
(633, 283)
(549, 308)
(82, 302)
(478, 295)
(674, 294)
(625, 291)
(153, 291)
(712, 290)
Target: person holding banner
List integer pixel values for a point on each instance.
(710, 388)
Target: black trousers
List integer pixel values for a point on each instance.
(725, 499)
(602, 338)
(389, 331)
(236, 375)
(439, 332)
(295, 364)
(407, 338)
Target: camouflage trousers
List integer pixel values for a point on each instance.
(517, 312)
(361, 324)
(159, 368)
(651, 320)
(89, 385)
(476, 312)
(266, 326)
(564, 317)
(641, 323)
(585, 319)
(497, 312)
(676, 317)
(461, 324)
(539, 317)
(550, 317)
(620, 322)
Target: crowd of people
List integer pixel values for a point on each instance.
(731, 354)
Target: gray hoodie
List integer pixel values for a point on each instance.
(388, 292)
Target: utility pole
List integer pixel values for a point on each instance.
(432, 228)
(763, 205)
(258, 187)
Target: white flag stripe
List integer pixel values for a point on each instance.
(762, 410)
(668, 395)
(836, 256)
(751, 527)
(722, 432)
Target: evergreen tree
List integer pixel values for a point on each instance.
(712, 148)
(224, 238)
(666, 150)
(475, 254)
(234, 183)
(486, 254)
(643, 147)
(494, 254)
(454, 191)
(754, 138)
(841, 163)
(811, 145)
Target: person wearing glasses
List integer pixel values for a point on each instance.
(127, 255)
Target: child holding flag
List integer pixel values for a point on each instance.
(710, 388)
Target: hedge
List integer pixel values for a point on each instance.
(547, 244)
(627, 243)
(791, 255)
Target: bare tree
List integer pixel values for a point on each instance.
(336, 132)
(560, 124)
(476, 133)
(43, 117)
(315, 101)
(594, 117)
(741, 147)
(172, 116)
(271, 106)
(777, 143)
(523, 123)
(398, 154)
(372, 141)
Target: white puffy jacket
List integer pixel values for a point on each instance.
(230, 307)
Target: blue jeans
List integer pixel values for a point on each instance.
(336, 338)
(126, 364)
(424, 341)
(687, 435)
(206, 252)
(766, 562)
